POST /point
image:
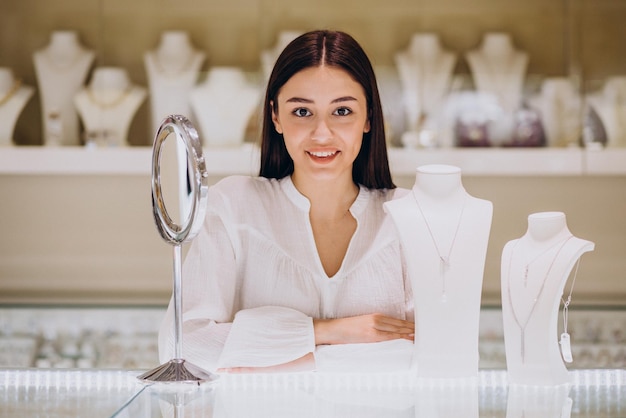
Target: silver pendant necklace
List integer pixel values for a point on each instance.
(444, 260)
(527, 265)
(522, 325)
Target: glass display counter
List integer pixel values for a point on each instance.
(109, 393)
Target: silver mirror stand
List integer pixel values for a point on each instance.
(177, 369)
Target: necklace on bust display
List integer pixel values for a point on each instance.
(541, 254)
(11, 92)
(108, 104)
(522, 325)
(62, 63)
(499, 76)
(444, 260)
(170, 73)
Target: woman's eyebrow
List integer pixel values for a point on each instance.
(344, 99)
(303, 100)
(299, 100)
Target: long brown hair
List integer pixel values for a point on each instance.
(338, 49)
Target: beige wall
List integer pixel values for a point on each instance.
(579, 37)
(82, 239)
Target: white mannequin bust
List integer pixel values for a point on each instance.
(425, 71)
(610, 105)
(559, 106)
(223, 105)
(535, 269)
(13, 97)
(172, 70)
(61, 69)
(108, 105)
(269, 56)
(439, 219)
(499, 69)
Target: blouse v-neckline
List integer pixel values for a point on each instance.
(304, 205)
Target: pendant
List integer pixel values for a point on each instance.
(566, 348)
(522, 346)
(444, 265)
(526, 276)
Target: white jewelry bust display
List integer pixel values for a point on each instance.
(61, 69)
(269, 56)
(172, 70)
(108, 105)
(498, 69)
(425, 70)
(223, 105)
(13, 98)
(444, 233)
(560, 108)
(610, 106)
(535, 269)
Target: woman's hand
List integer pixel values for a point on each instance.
(362, 329)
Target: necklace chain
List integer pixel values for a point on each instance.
(173, 73)
(110, 104)
(541, 254)
(12, 90)
(444, 261)
(521, 326)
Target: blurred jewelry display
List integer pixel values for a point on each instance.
(172, 69)
(444, 260)
(107, 99)
(522, 324)
(11, 92)
(108, 105)
(61, 68)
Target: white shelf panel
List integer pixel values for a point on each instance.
(492, 161)
(75, 160)
(606, 161)
(36, 160)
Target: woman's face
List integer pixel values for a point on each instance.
(322, 115)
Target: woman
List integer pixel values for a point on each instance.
(303, 256)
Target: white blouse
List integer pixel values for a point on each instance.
(253, 280)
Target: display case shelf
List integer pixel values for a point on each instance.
(244, 160)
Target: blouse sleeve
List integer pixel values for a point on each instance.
(216, 331)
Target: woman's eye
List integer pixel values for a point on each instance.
(342, 111)
(302, 112)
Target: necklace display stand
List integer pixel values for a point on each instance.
(560, 109)
(61, 69)
(223, 105)
(498, 69)
(172, 71)
(425, 71)
(13, 98)
(269, 56)
(535, 269)
(108, 105)
(177, 369)
(610, 107)
(444, 233)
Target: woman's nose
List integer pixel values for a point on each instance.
(321, 130)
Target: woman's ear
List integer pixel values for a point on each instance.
(367, 126)
(275, 120)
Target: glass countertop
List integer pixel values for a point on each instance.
(597, 393)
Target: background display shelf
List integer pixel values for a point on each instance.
(244, 160)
